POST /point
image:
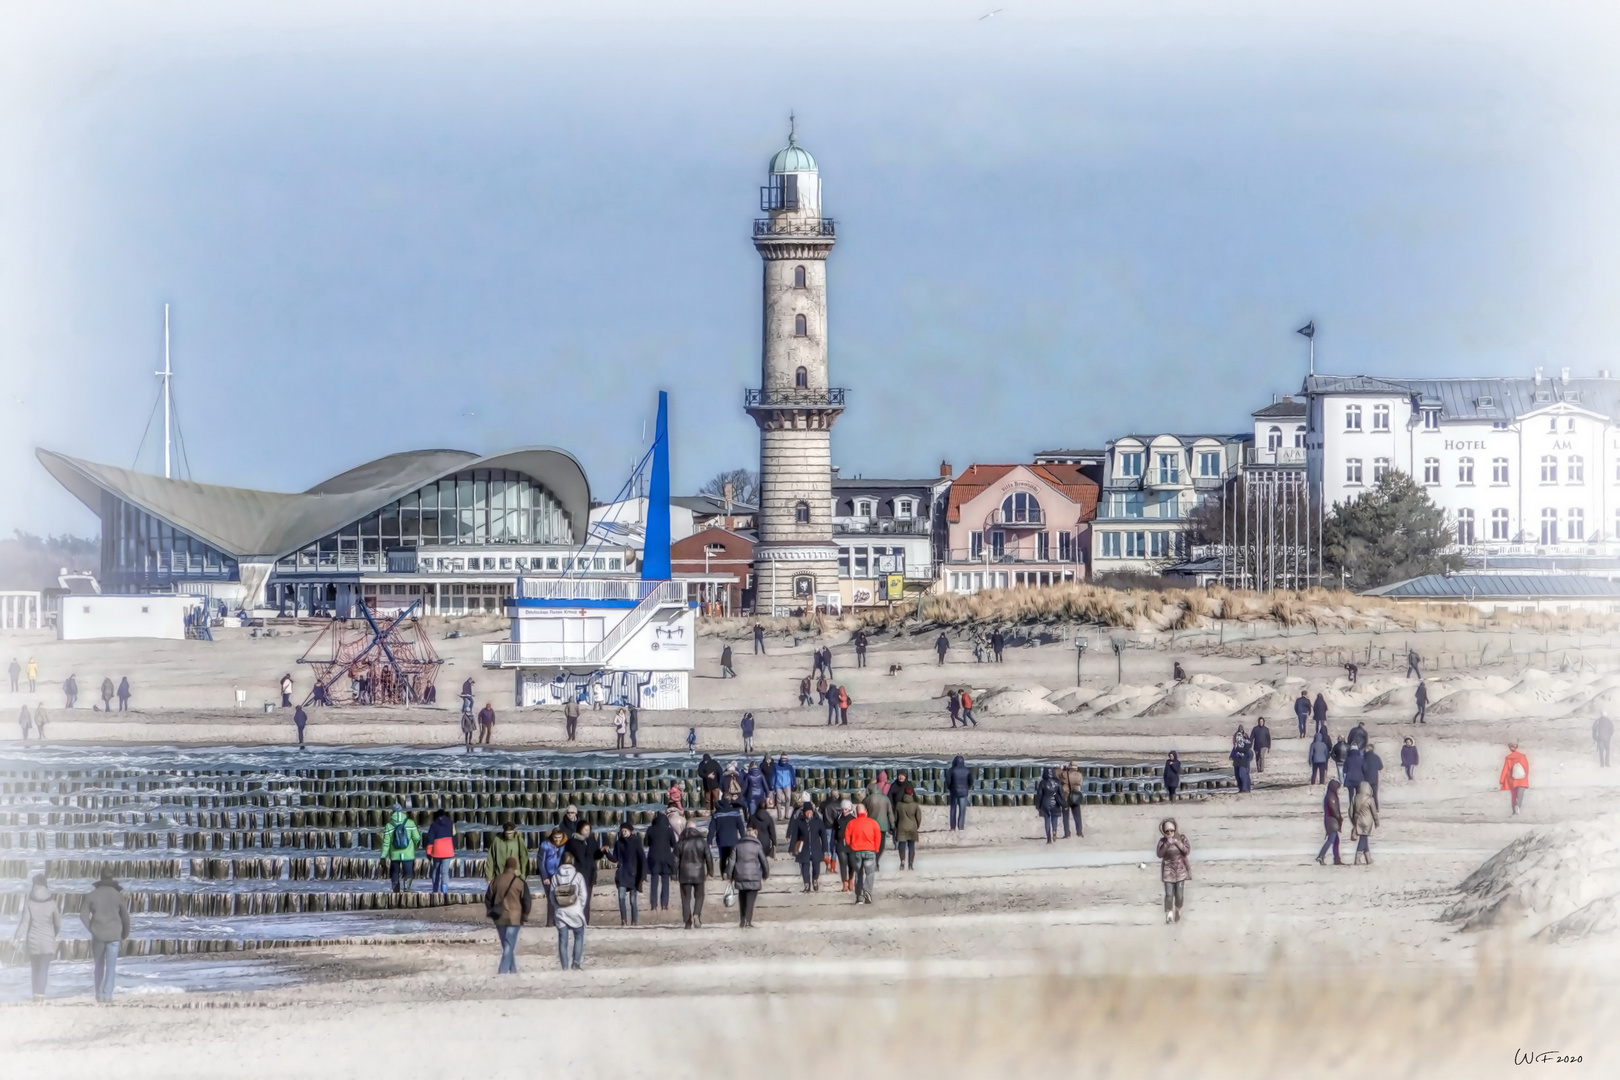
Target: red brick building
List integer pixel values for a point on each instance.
(718, 568)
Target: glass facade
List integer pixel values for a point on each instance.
(139, 551)
(478, 507)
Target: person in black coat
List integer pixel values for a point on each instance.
(1371, 766)
(1049, 802)
(693, 866)
(1260, 739)
(708, 771)
(1354, 758)
(660, 841)
(1357, 739)
(1242, 756)
(629, 860)
(1409, 757)
(806, 837)
(1319, 711)
(1172, 775)
(586, 850)
(958, 786)
(1422, 698)
(725, 831)
(1338, 753)
(1302, 710)
(764, 825)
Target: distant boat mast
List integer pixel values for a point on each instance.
(168, 374)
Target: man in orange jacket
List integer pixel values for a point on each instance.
(863, 838)
(1515, 776)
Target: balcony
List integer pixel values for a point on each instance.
(796, 397)
(790, 228)
(1293, 456)
(1019, 519)
(883, 526)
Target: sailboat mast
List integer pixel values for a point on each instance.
(167, 372)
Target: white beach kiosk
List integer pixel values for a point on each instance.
(627, 640)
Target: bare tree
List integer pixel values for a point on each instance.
(744, 486)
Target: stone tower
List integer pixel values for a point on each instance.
(795, 405)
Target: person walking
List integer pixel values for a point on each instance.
(1317, 757)
(1357, 739)
(1171, 774)
(629, 860)
(105, 914)
(1412, 667)
(746, 724)
(1302, 710)
(726, 671)
(1242, 756)
(634, 720)
(33, 676)
(1422, 698)
(1332, 823)
(586, 847)
(40, 926)
(25, 722)
(953, 706)
(39, 721)
(1174, 871)
(1515, 779)
(621, 727)
(832, 705)
(942, 645)
(1353, 774)
(1363, 819)
(1409, 756)
(439, 844)
(958, 787)
(731, 784)
(782, 781)
(286, 690)
(508, 903)
(571, 897)
(831, 813)
(708, 771)
(70, 690)
(860, 650)
(548, 861)
(571, 716)
(749, 869)
(1371, 766)
(1049, 803)
(1072, 779)
(693, 866)
(880, 808)
(998, 641)
(506, 844)
(1602, 732)
(1319, 710)
(846, 857)
(123, 694)
(691, 741)
(863, 838)
(907, 826)
(726, 832)
(804, 692)
(106, 693)
(822, 687)
(755, 789)
(486, 724)
(468, 728)
(843, 705)
(759, 639)
(598, 694)
(805, 844)
(660, 841)
(15, 671)
(967, 708)
(1260, 739)
(1338, 752)
(400, 839)
(300, 720)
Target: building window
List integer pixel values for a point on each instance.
(801, 328)
(1043, 546)
(801, 513)
(862, 566)
(1135, 545)
(1577, 469)
(1431, 470)
(1159, 545)
(1549, 526)
(1499, 425)
(1130, 463)
(1499, 470)
(1465, 528)
(904, 508)
(1570, 424)
(1209, 463)
(1110, 545)
(1499, 524)
(1575, 526)
(1352, 470)
(863, 508)
(1465, 470)
(1549, 469)
(1299, 438)
(801, 378)
(1380, 418)
(1431, 419)
(1380, 468)
(1274, 439)
(843, 562)
(1066, 552)
(1020, 508)
(998, 544)
(976, 545)
(1169, 468)
(798, 277)
(1352, 418)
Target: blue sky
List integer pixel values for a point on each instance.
(484, 225)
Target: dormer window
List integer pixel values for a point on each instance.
(1486, 402)
(904, 508)
(863, 508)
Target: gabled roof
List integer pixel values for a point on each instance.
(1463, 399)
(1498, 587)
(1286, 409)
(1068, 480)
(248, 524)
(711, 504)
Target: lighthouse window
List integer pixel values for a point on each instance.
(801, 513)
(800, 327)
(798, 277)
(801, 378)
(790, 192)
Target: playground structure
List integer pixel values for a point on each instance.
(374, 660)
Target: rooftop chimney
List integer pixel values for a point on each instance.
(1603, 373)
(944, 470)
(1538, 374)
(726, 495)
(1563, 374)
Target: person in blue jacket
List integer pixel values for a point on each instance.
(755, 788)
(782, 778)
(958, 786)
(726, 831)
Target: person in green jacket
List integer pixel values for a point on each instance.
(400, 840)
(881, 810)
(506, 844)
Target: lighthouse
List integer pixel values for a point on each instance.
(795, 406)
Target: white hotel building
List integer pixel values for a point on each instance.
(1522, 466)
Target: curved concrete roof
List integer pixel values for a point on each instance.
(250, 524)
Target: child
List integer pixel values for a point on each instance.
(691, 740)
(1409, 757)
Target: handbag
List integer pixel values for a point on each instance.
(730, 898)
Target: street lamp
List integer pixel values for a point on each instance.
(1080, 644)
(1119, 659)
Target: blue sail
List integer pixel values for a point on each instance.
(655, 558)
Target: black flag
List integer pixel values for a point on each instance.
(1308, 330)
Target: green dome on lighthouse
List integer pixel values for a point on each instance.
(792, 157)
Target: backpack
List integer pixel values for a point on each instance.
(565, 893)
(1518, 771)
(402, 835)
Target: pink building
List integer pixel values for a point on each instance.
(1018, 525)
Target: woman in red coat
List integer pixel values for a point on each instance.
(1515, 776)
